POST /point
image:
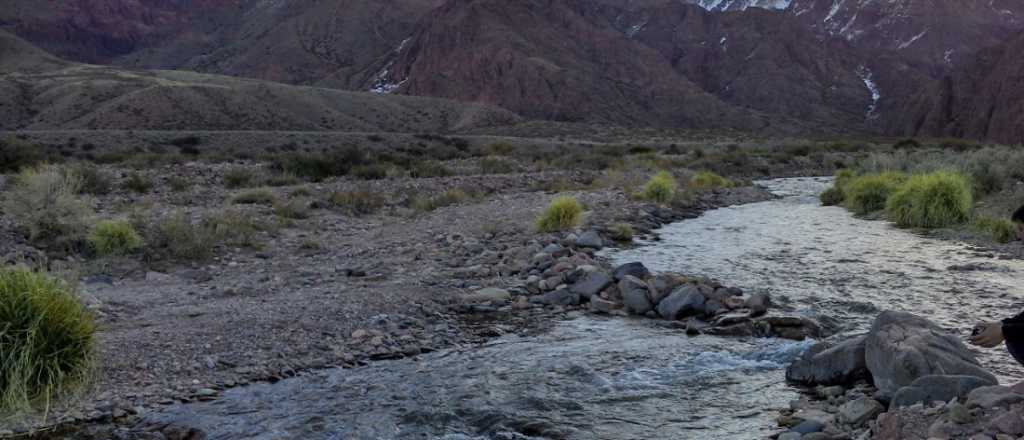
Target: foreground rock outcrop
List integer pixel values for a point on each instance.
(905, 379)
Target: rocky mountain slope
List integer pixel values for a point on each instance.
(780, 65)
(40, 92)
(982, 100)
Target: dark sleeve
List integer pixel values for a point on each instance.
(1013, 329)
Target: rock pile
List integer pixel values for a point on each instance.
(905, 379)
(565, 273)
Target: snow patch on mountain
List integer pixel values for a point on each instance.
(906, 44)
(740, 5)
(868, 77)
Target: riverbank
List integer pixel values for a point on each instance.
(321, 291)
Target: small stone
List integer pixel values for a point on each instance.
(860, 411)
(590, 239)
(959, 414)
(630, 269)
(790, 436)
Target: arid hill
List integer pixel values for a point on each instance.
(40, 92)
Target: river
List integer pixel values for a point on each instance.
(612, 378)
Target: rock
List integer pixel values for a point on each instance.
(832, 391)
(635, 295)
(561, 297)
(826, 364)
(901, 347)
(554, 250)
(808, 427)
(792, 327)
(936, 388)
(486, 295)
(630, 269)
(1010, 422)
(714, 307)
(858, 412)
(157, 277)
(790, 436)
(758, 304)
(735, 330)
(592, 284)
(959, 414)
(816, 436)
(993, 396)
(662, 285)
(601, 305)
(590, 239)
(684, 301)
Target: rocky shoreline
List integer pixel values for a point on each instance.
(460, 320)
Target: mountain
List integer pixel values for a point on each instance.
(785, 66)
(41, 92)
(984, 99)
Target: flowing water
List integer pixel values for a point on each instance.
(608, 378)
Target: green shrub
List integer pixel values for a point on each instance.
(282, 179)
(319, 166)
(429, 168)
(95, 180)
(448, 198)
(46, 340)
(622, 232)
(370, 172)
(497, 165)
(177, 237)
(661, 188)
(868, 193)
(262, 196)
(236, 228)
(500, 149)
(357, 202)
(45, 203)
(16, 155)
(563, 213)
(295, 209)
(1001, 230)
(832, 196)
(111, 237)
(705, 180)
(933, 200)
(239, 178)
(178, 183)
(137, 183)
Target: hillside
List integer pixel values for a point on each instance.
(43, 93)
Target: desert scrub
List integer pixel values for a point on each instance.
(239, 178)
(137, 183)
(45, 203)
(95, 180)
(563, 213)
(661, 188)
(357, 202)
(868, 193)
(999, 229)
(621, 232)
(16, 155)
(262, 196)
(294, 209)
(376, 171)
(46, 340)
(178, 183)
(933, 200)
(447, 198)
(320, 165)
(497, 165)
(114, 237)
(429, 168)
(705, 180)
(237, 228)
(177, 237)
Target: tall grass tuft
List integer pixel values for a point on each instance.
(705, 180)
(46, 340)
(999, 229)
(563, 213)
(45, 203)
(934, 200)
(661, 188)
(114, 237)
(868, 193)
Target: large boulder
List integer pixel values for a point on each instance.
(590, 239)
(936, 388)
(635, 295)
(829, 364)
(630, 269)
(591, 284)
(681, 303)
(901, 348)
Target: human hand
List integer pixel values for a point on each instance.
(987, 335)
